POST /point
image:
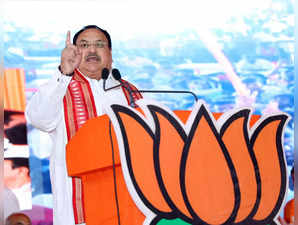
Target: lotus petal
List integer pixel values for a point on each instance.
(209, 193)
(235, 136)
(270, 161)
(171, 137)
(141, 163)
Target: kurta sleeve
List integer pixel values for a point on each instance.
(11, 203)
(45, 108)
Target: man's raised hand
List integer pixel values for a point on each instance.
(71, 56)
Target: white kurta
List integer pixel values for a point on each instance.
(24, 196)
(45, 111)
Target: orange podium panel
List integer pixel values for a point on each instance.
(89, 156)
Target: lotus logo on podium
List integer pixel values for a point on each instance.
(191, 168)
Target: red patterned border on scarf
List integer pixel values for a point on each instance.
(79, 106)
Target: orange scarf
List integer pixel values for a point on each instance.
(79, 106)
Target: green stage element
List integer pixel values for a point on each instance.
(172, 222)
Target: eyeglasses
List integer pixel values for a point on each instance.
(97, 44)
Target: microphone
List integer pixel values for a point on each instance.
(104, 75)
(117, 76)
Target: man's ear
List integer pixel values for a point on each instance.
(24, 170)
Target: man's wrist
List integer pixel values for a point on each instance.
(70, 74)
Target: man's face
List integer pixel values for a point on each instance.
(96, 54)
(10, 174)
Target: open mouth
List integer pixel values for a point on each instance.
(92, 59)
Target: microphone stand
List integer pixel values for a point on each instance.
(104, 75)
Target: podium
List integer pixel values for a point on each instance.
(89, 156)
(92, 156)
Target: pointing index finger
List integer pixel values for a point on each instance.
(67, 42)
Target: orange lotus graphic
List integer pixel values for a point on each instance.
(204, 171)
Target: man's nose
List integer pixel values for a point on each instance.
(92, 48)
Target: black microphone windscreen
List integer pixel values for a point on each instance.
(105, 73)
(116, 74)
